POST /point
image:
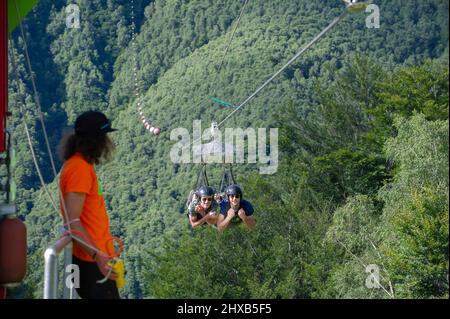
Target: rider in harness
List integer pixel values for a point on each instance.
(203, 209)
(235, 210)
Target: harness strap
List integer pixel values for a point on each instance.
(227, 178)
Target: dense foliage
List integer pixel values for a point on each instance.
(363, 119)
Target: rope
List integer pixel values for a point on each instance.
(226, 52)
(213, 85)
(229, 44)
(35, 93)
(27, 132)
(202, 177)
(70, 231)
(364, 265)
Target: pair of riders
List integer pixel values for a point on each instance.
(208, 208)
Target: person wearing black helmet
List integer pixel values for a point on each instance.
(235, 210)
(203, 209)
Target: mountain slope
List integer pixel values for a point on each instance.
(179, 47)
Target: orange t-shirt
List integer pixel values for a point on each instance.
(78, 176)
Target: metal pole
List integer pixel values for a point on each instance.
(67, 261)
(68, 292)
(51, 273)
(51, 267)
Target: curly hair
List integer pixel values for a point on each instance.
(95, 148)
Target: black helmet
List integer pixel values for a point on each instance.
(203, 191)
(234, 190)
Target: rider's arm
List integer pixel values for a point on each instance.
(246, 214)
(224, 220)
(195, 223)
(250, 221)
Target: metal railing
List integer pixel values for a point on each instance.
(51, 269)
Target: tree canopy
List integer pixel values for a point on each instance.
(363, 122)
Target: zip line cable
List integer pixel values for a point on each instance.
(36, 98)
(39, 108)
(228, 45)
(223, 59)
(70, 231)
(202, 173)
(329, 27)
(27, 132)
(213, 83)
(36, 95)
(364, 265)
(147, 124)
(306, 47)
(37, 101)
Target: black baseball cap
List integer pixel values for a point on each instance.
(93, 122)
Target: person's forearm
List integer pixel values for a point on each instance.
(200, 222)
(78, 227)
(250, 222)
(224, 224)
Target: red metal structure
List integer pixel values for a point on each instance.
(3, 72)
(3, 85)
(13, 238)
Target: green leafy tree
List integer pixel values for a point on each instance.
(416, 209)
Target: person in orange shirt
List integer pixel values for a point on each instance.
(86, 213)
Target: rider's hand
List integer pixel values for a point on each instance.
(199, 209)
(231, 213)
(102, 264)
(241, 214)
